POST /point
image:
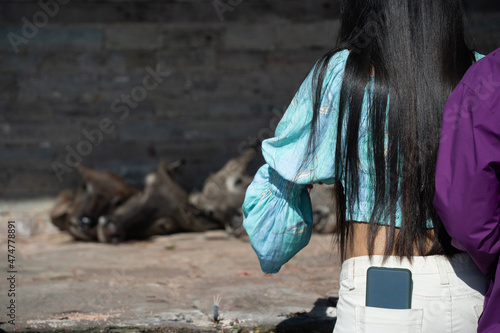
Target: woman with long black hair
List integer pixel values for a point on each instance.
(368, 118)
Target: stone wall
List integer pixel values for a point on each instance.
(120, 84)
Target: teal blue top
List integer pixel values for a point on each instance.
(278, 195)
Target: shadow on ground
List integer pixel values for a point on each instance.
(318, 320)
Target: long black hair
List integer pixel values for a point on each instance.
(415, 52)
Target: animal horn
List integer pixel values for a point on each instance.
(162, 167)
(246, 158)
(176, 164)
(239, 164)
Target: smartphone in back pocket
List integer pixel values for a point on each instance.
(389, 288)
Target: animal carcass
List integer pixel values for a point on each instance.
(324, 208)
(78, 211)
(223, 193)
(162, 208)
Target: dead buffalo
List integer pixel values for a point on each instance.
(78, 211)
(162, 208)
(324, 208)
(223, 193)
(59, 214)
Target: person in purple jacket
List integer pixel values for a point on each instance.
(467, 195)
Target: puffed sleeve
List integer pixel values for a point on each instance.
(277, 208)
(468, 169)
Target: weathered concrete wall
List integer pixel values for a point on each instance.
(124, 83)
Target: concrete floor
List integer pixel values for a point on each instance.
(165, 284)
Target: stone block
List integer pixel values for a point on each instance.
(281, 10)
(321, 34)
(122, 11)
(105, 123)
(61, 88)
(196, 84)
(238, 108)
(287, 80)
(48, 37)
(190, 36)
(113, 12)
(138, 59)
(77, 111)
(217, 130)
(133, 152)
(152, 130)
(82, 61)
(22, 111)
(188, 60)
(181, 108)
(133, 37)
(22, 181)
(8, 90)
(246, 84)
(114, 86)
(250, 37)
(21, 63)
(285, 59)
(241, 60)
(27, 154)
(55, 131)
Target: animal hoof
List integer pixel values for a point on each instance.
(106, 231)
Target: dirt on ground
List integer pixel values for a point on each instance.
(163, 284)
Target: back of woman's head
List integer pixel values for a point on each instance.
(416, 52)
(418, 29)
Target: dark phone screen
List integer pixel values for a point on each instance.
(389, 288)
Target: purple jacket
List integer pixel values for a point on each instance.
(468, 175)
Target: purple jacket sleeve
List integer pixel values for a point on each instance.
(468, 169)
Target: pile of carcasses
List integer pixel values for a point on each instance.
(106, 209)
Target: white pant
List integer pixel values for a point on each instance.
(447, 296)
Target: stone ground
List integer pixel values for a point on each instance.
(165, 284)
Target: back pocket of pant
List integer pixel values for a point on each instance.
(379, 320)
